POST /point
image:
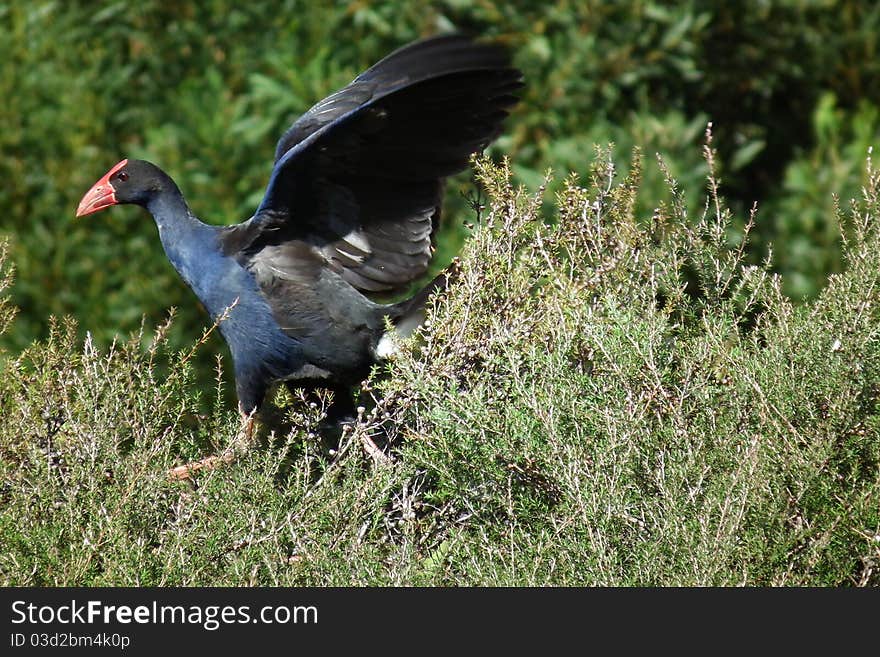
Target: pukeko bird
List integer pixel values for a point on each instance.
(350, 208)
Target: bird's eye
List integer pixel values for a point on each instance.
(122, 176)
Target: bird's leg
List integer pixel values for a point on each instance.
(244, 437)
(239, 444)
(341, 409)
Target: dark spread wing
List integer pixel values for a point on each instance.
(420, 60)
(359, 176)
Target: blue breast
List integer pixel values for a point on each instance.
(261, 351)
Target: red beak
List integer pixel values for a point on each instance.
(101, 195)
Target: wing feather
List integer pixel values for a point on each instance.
(359, 176)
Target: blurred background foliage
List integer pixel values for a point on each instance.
(204, 88)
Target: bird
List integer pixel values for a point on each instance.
(350, 211)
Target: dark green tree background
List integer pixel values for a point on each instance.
(205, 88)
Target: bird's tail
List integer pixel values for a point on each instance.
(406, 316)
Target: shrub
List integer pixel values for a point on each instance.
(599, 400)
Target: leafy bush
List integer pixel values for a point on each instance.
(593, 401)
(803, 220)
(204, 89)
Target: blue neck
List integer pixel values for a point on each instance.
(260, 350)
(218, 280)
(192, 248)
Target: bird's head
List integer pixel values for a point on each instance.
(130, 181)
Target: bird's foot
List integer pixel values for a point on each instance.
(366, 439)
(183, 472)
(374, 451)
(239, 445)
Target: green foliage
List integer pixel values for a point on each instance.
(803, 219)
(594, 401)
(205, 88)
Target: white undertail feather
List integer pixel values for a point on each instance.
(390, 342)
